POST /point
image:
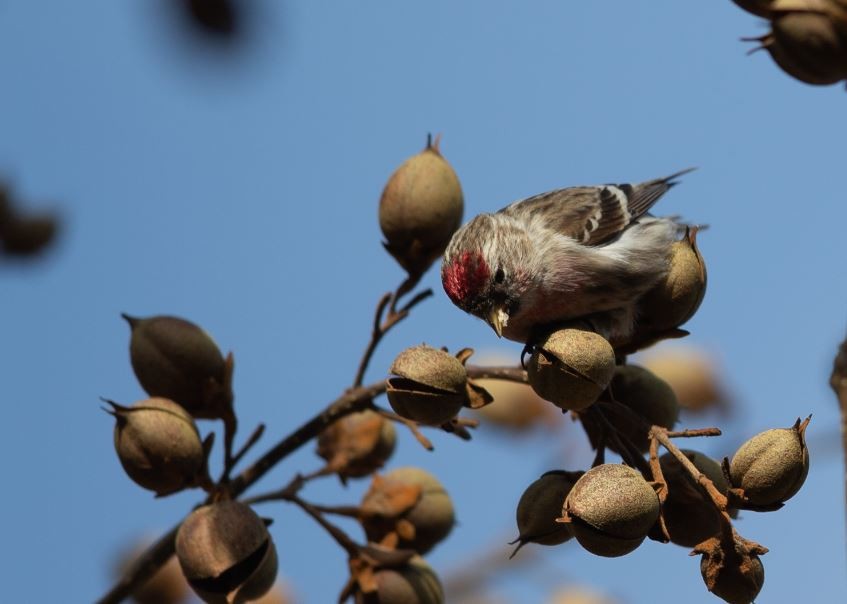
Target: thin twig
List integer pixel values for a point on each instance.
(239, 455)
(340, 536)
(410, 424)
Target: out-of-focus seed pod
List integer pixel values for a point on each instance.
(690, 517)
(539, 507)
(158, 445)
(420, 209)
(409, 505)
(357, 445)
(674, 300)
(411, 583)
(176, 359)
(732, 570)
(226, 553)
(166, 586)
(579, 595)
(809, 40)
(611, 508)
(761, 8)
(772, 466)
(430, 386)
(692, 374)
(571, 368)
(641, 395)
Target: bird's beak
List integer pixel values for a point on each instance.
(498, 318)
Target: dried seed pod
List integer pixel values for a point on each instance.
(772, 466)
(809, 45)
(611, 508)
(158, 445)
(408, 505)
(226, 553)
(420, 209)
(761, 8)
(690, 517)
(539, 507)
(571, 368)
(674, 300)
(357, 445)
(430, 386)
(176, 359)
(411, 583)
(732, 569)
(645, 395)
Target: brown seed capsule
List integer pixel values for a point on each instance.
(226, 553)
(176, 359)
(611, 508)
(420, 209)
(810, 45)
(571, 368)
(693, 375)
(166, 586)
(732, 570)
(357, 445)
(158, 445)
(648, 396)
(772, 466)
(690, 517)
(539, 507)
(409, 504)
(675, 299)
(411, 583)
(430, 387)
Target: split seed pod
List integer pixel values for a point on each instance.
(420, 209)
(731, 568)
(158, 445)
(176, 359)
(539, 507)
(412, 582)
(357, 445)
(407, 508)
(689, 517)
(676, 298)
(430, 386)
(571, 368)
(610, 509)
(772, 466)
(226, 553)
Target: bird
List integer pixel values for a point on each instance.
(584, 253)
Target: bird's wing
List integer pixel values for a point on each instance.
(592, 215)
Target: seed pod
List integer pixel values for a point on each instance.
(810, 45)
(693, 375)
(158, 445)
(420, 209)
(772, 466)
(676, 298)
(409, 505)
(689, 517)
(611, 508)
(358, 444)
(539, 507)
(430, 387)
(731, 569)
(761, 8)
(176, 359)
(226, 553)
(571, 368)
(166, 586)
(411, 583)
(649, 397)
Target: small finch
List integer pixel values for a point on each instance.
(587, 253)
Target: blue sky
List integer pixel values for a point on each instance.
(240, 190)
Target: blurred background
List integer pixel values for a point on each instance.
(227, 168)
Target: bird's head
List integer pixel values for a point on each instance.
(482, 275)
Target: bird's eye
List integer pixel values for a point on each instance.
(499, 276)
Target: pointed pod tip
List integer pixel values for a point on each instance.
(133, 321)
